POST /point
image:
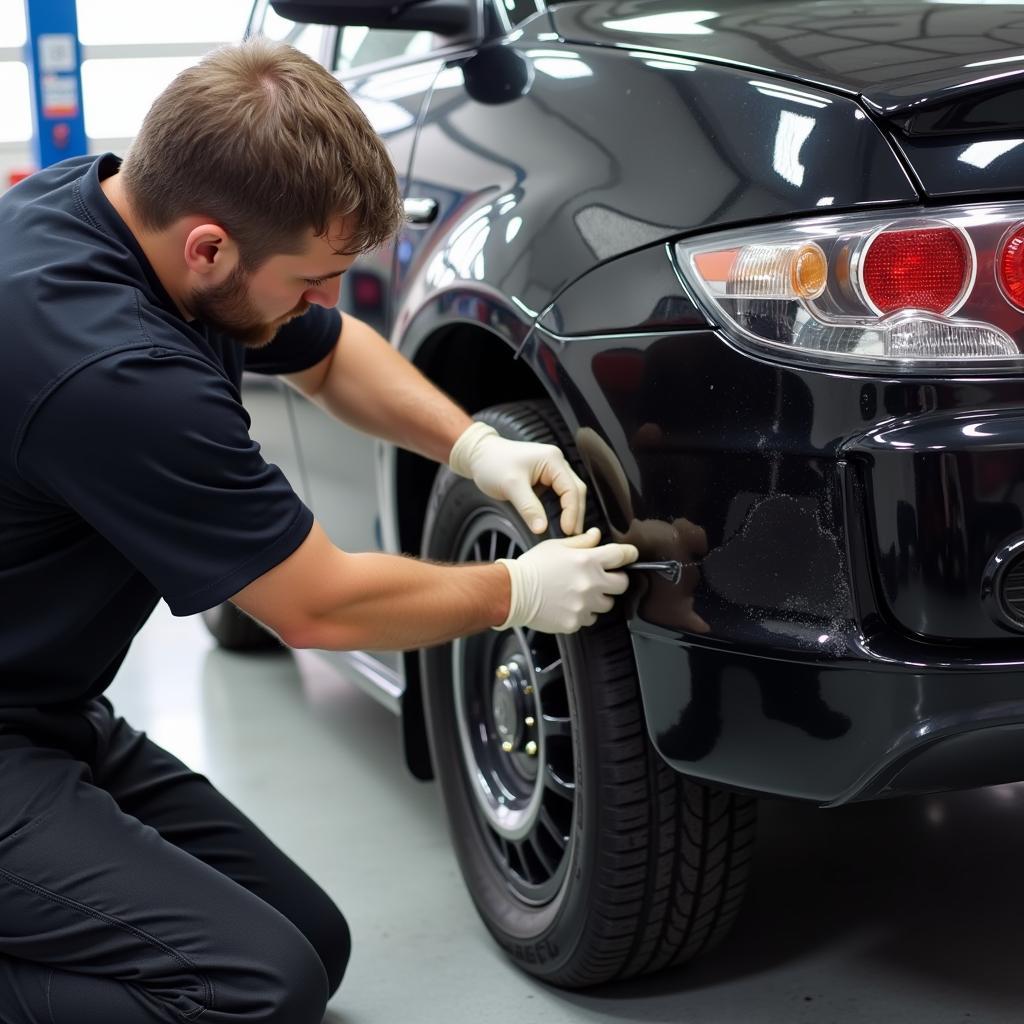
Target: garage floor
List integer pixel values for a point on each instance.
(902, 911)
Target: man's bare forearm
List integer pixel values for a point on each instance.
(374, 389)
(326, 598)
(391, 602)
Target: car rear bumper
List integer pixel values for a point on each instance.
(834, 731)
(831, 637)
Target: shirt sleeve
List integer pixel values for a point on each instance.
(151, 447)
(300, 344)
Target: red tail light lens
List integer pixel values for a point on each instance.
(1010, 265)
(922, 268)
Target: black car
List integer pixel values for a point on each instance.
(760, 271)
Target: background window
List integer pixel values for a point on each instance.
(106, 22)
(307, 38)
(118, 92)
(15, 112)
(131, 50)
(118, 87)
(358, 45)
(12, 22)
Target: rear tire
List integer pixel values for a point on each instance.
(235, 631)
(588, 859)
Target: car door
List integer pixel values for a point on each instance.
(389, 73)
(451, 168)
(267, 399)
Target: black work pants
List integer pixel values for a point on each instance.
(132, 892)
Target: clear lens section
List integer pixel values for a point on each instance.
(916, 337)
(909, 336)
(799, 289)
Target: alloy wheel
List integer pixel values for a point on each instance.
(515, 733)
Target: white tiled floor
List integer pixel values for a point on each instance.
(900, 911)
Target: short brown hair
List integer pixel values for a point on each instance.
(267, 143)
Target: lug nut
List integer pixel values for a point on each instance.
(531, 749)
(503, 672)
(529, 721)
(528, 690)
(507, 746)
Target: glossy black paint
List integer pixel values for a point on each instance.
(830, 637)
(830, 733)
(392, 100)
(688, 146)
(893, 54)
(945, 491)
(789, 658)
(969, 164)
(655, 298)
(747, 453)
(945, 77)
(750, 469)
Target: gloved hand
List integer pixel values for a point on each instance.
(563, 584)
(509, 470)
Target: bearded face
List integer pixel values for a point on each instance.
(230, 307)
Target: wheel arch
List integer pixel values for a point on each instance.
(477, 367)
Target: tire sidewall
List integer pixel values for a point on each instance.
(542, 939)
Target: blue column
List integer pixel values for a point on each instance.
(54, 60)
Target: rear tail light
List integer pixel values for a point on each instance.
(1010, 266)
(907, 290)
(918, 268)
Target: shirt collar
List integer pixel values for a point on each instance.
(109, 221)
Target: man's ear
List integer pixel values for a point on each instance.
(210, 252)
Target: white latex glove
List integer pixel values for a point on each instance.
(563, 584)
(509, 470)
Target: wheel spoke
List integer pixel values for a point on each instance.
(524, 861)
(551, 686)
(555, 727)
(494, 547)
(566, 790)
(552, 829)
(512, 548)
(555, 666)
(538, 849)
(478, 555)
(508, 852)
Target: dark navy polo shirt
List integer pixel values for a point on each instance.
(126, 468)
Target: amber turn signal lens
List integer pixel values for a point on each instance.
(809, 271)
(776, 272)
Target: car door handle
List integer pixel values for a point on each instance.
(420, 211)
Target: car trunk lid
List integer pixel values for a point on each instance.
(946, 79)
